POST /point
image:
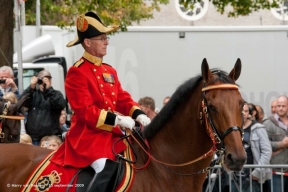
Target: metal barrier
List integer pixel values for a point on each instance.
(217, 179)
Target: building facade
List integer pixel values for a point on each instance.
(205, 14)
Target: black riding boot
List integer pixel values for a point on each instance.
(105, 181)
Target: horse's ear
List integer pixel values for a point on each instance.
(236, 71)
(206, 73)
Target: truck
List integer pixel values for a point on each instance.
(154, 61)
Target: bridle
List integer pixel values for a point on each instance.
(218, 146)
(4, 116)
(219, 138)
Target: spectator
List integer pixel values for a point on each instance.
(273, 106)
(62, 121)
(253, 113)
(165, 100)
(260, 113)
(7, 83)
(147, 105)
(95, 93)
(44, 107)
(258, 149)
(26, 139)
(10, 96)
(44, 142)
(54, 142)
(277, 128)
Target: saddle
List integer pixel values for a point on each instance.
(86, 175)
(54, 178)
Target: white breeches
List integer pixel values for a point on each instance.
(98, 165)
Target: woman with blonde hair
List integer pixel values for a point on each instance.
(26, 139)
(10, 96)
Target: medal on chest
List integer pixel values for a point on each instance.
(109, 78)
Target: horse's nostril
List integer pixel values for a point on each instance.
(235, 164)
(229, 158)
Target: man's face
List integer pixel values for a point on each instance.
(282, 107)
(145, 109)
(97, 46)
(62, 118)
(274, 106)
(165, 101)
(4, 75)
(260, 113)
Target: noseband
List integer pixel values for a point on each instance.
(217, 137)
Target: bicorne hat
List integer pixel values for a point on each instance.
(89, 25)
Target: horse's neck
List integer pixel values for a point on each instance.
(182, 139)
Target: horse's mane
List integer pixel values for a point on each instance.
(180, 96)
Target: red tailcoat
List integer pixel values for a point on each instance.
(94, 93)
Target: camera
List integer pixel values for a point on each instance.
(2, 81)
(40, 81)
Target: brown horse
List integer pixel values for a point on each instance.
(203, 116)
(10, 120)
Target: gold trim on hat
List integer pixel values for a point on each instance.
(82, 23)
(71, 43)
(99, 26)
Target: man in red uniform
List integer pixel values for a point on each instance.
(95, 93)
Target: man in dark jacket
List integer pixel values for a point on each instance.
(44, 107)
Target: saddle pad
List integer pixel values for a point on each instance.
(129, 174)
(51, 177)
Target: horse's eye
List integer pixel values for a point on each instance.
(212, 108)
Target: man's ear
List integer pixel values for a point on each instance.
(87, 42)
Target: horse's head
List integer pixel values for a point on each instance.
(10, 120)
(223, 106)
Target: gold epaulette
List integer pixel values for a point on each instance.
(78, 63)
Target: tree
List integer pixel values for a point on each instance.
(6, 32)
(117, 12)
(239, 7)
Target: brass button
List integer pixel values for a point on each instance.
(106, 102)
(103, 94)
(113, 93)
(114, 102)
(98, 77)
(94, 70)
(101, 85)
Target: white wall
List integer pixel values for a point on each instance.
(154, 61)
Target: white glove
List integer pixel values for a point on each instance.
(124, 122)
(143, 119)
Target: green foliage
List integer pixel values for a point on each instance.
(239, 7)
(112, 12)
